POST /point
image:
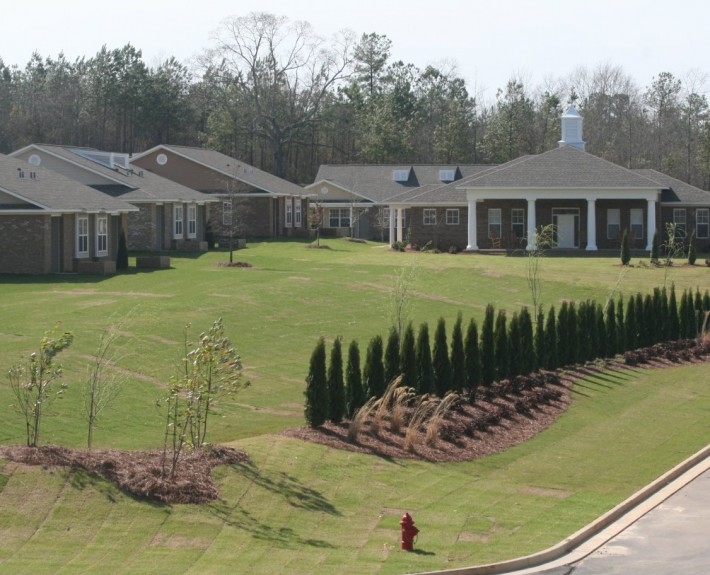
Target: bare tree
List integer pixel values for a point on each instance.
(282, 70)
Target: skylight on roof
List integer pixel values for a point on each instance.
(400, 175)
(447, 175)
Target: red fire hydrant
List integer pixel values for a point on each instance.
(409, 532)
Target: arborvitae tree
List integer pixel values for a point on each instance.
(631, 325)
(584, 331)
(573, 332)
(514, 351)
(638, 303)
(440, 360)
(563, 343)
(528, 358)
(658, 321)
(550, 360)
(621, 343)
(692, 252)
(354, 392)
(425, 369)
(408, 358)
(458, 357)
(336, 385)
(706, 301)
(473, 361)
(611, 346)
(316, 409)
(601, 344)
(673, 322)
(122, 254)
(539, 339)
(502, 346)
(655, 247)
(392, 361)
(663, 316)
(625, 249)
(488, 353)
(698, 307)
(647, 323)
(687, 316)
(374, 371)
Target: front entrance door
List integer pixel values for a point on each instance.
(565, 231)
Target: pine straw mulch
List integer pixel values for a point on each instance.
(138, 473)
(511, 413)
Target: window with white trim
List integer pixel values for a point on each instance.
(447, 175)
(82, 236)
(429, 216)
(288, 214)
(297, 213)
(452, 217)
(517, 222)
(227, 213)
(702, 223)
(192, 221)
(495, 225)
(636, 220)
(101, 235)
(178, 216)
(613, 223)
(339, 218)
(679, 219)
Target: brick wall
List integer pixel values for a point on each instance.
(25, 242)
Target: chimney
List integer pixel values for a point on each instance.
(572, 129)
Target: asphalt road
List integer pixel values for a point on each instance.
(671, 539)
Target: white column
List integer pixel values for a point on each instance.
(532, 226)
(592, 225)
(650, 224)
(392, 218)
(472, 230)
(399, 224)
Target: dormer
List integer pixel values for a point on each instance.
(447, 175)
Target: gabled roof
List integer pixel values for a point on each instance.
(130, 184)
(377, 183)
(232, 168)
(676, 191)
(49, 191)
(565, 167)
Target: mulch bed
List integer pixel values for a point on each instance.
(508, 414)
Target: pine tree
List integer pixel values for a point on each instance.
(502, 346)
(408, 358)
(458, 357)
(354, 392)
(440, 360)
(488, 354)
(551, 357)
(472, 353)
(336, 385)
(425, 369)
(316, 409)
(528, 357)
(625, 249)
(374, 372)
(392, 361)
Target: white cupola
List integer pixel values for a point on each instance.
(572, 129)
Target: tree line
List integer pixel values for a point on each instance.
(275, 94)
(506, 347)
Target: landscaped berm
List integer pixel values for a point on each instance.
(514, 469)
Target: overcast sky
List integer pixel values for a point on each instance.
(489, 41)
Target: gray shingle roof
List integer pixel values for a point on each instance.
(376, 182)
(564, 167)
(222, 163)
(138, 186)
(52, 192)
(676, 191)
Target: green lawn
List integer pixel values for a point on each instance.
(301, 508)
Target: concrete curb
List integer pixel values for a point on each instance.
(592, 536)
